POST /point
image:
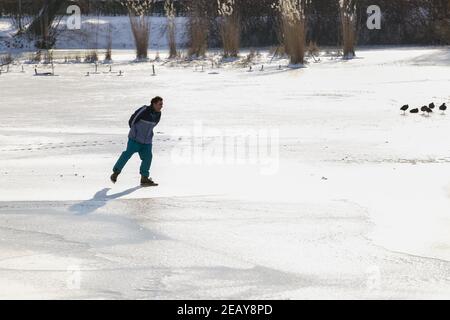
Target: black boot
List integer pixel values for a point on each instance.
(147, 182)
(114, 177)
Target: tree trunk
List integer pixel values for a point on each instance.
(45, 18)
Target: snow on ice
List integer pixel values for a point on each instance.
(334, 195)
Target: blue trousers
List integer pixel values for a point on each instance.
(145, 153)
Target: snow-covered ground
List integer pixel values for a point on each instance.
(335, 194)
(94, 33)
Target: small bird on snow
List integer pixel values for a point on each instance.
(424, 109)
(404, 108)
(443, 108)
(416, 110)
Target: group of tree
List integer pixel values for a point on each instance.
(255, 23)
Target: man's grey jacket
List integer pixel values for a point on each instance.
(142, 123)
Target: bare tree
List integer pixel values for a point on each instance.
(348, 21)
(293, 28)
(229, 27)
(18, 17)
(171, 30)
(43, 26)
(138, 12)
(45, 17)
(198, 28)
(108, 55)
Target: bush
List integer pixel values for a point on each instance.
(229, 28)
(171, 32)
(140, 27)
(348, 21)
(108, 54)
(293, 29)
(198, 29)
(48, 57)
(6, 59)
(91, 57)
(313, 49)
(138, 11)
(35, 57)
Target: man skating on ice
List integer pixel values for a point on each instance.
(140, 139)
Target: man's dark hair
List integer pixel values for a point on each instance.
(156, 100)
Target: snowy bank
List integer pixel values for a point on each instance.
(94, 33)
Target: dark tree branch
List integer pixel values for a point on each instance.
(44, 20)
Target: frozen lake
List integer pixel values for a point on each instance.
(277, 184)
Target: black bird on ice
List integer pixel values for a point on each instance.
(404, 108)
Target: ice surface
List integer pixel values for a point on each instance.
(351, 201)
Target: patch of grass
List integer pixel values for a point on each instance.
(6, 59)
(91, 57)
